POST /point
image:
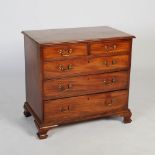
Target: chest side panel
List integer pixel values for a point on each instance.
(33, 76)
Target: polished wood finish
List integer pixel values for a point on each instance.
(65, 50)
(81, 85)
(84, 66)
(76, 74)
(33, 76)
(72, 35)
(76, 108)
(107, 48)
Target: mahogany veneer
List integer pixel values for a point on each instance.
(76, 74)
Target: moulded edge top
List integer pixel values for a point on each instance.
(72, 35)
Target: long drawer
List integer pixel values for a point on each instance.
(81, 85)
(82, 107)
(84, 66)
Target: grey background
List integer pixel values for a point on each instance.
(104, 136)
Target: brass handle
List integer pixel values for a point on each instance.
(63, 88)
(65, 109)
(110, 47)
(65, 52)
(107, 82)
(114, 46)
(108, 64)
(69, 67)
(113, 80)
(109, 102)
(105, 63)
(114, 62)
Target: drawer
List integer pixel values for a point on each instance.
(81, 85)
(106, 48)
(84, 66)
(64, 50)
(83, 107)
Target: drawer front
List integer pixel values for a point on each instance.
(84, 66)
(106, 48)
(64, 50)
(82, 107)
(75, 86)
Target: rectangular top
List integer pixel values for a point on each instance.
(75, 34)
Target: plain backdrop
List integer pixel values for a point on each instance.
(104, 136)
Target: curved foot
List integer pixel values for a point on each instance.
(26, 112)
(127, 116)
(42, 131)
(42, 135)
(127, 120)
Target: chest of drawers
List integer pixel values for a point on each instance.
(76, 74)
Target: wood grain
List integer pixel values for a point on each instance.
(107, 48)
(33, 76)
(85, 66)
(69, 109)
(76, 74)
(53, 52)
(72, 35)
(81, 85)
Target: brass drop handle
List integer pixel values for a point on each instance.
(114, 62)
(110, 47)
(62, 68)
(63, 88)
(113, 80)
(109, 82)
(109, 102)
(65, 109)
(114, 46)
(65, 52)
(106, 63)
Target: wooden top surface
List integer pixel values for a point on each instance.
(75, 34)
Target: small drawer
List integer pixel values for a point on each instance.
(64, 51)
(81, 85)
(106, 48)
(82, 107)
(85, 66)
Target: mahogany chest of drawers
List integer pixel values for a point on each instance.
(76, 74)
